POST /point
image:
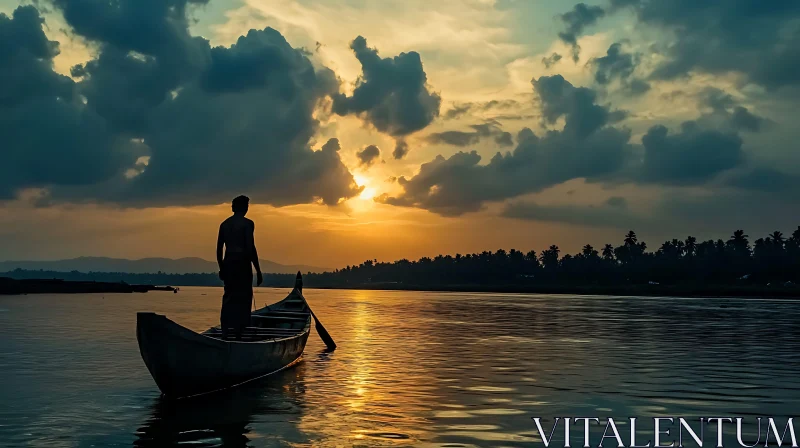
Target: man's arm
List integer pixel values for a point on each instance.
(220, 243)
(254, 253)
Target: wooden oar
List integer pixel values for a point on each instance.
(321, 331)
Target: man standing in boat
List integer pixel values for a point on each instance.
(236, 234)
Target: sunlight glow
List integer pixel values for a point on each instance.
(369, 192)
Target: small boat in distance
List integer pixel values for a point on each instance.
(185, 363)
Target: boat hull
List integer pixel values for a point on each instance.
(184, 363)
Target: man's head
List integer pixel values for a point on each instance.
(240, 205)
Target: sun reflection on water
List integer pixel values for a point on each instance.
(412, 369)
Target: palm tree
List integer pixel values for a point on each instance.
(608, 252)
(630, 238)
(691, 246)
(739, 242)
(588, 251)
(550, 257)
(777, 238)
(679, 246)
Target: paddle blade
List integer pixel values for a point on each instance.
(323, 333)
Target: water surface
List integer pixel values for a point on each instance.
(412, 369)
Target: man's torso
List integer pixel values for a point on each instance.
(237, 234)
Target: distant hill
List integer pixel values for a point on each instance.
(146, 265)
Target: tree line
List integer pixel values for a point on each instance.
(773, 258)
(770, 260)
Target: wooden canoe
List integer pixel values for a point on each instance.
(185, 363)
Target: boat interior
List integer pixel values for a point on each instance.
(281, 320)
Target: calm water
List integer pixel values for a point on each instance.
(412, 369)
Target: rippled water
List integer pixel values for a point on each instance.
(412, 369)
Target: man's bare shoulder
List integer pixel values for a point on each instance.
(227, 222)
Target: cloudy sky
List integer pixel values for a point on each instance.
(393, 129)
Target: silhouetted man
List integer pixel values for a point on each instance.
(236, 234)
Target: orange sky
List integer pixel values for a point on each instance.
(479, 56)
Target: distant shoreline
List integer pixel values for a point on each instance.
(9, 286)
(691, 291)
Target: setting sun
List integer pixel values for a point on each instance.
(369, 192)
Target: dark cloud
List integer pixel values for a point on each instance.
(214, 122)
(27, 57)
(743, 119)
(727, 113)
(580, 17)
(485, 130)
(617, 201)
(461, 109)
(758, 212)
(636, 87)
(400, 149)
(392, 93)
(578, 105)
(255, 137)
(48, 135)
(457, 111)
(764, 179)
(588, 147)
(607, 214)
(617, 65)
(368, 155)
(676, 212)
(716, 99)
(146, 26)
(757, 38)
(455, 138)
(692, 156)
(551, 60)
(145, 53)
(702, 149)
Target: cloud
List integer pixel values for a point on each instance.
(578, 105)
(135, 71)
(48, 135)
(617, 65)
(758, 212)
(675, 212)
(392, 93)
(692, 156)
(580, 17)
(608, 214)
(765, 179)
(701, 149)
(457, 111)
(485, 130)
(617, 201)
(588, 147)
(551, 60)
(726, 112)
(755, 38)
(368, 155)
(460, 109)
(400, 149)
(211, 123)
